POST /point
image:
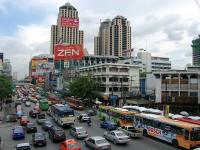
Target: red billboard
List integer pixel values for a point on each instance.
(69, 22)
(68, 52)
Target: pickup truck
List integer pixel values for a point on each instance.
(131, 131)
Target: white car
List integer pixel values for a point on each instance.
(23, 146)
(117, 137)
(83, 117)
(28, 103)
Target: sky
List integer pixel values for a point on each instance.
(163, 28)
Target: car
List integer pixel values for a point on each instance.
(83, 117)
(11, 118)
(33, 113)
(47, 125)
(109, 125)
(19, 108)
(18, 133)
(31, 128)
(69, 145)
(24, 120)
(19, 114)
(39, 139)
(23, 146)
(41, 118)
(78, 132)
(97, 142)
(56, 134)
(92, 112)
(27, 103)
(37, 108)
(117, 137)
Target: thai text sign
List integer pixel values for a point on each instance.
(68, 52)
(69, 22)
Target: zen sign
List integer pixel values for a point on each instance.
(68, 52)
(69, 22)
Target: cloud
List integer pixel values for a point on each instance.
(162, 29)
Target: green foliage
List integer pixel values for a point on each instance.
(5, 87)
(84, 87)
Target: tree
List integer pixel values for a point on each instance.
(84, 87)
(5, 88)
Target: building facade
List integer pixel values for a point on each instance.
(196, 51)
(114, 37)
(179, 89)
(66, 34)
(7, 67)
(117, 79)
(147, 62)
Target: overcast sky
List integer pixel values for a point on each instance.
(164, 28)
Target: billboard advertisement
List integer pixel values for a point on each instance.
(69, 22)
(68, 52)
(37, 61)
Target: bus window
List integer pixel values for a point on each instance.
(195, 136)
(148, 122)
(186, 135)
(157, 124)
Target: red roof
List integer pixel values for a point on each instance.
(189, 120)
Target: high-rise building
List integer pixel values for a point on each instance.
(196, 51)
(14, 77)
(114, 37)
(7, 68)
(66, 34)
(1, 56)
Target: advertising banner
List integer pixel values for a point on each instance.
(37, 61)
(68, 52)
(69, 22)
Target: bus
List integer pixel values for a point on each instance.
(62, 114)
(75, 103)
(54, 100)
(44, 105)
(178, 133)
(120, 116)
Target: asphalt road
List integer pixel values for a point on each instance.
(145, 143)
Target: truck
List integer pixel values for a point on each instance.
(131, 131)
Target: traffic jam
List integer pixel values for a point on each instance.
(67, 123)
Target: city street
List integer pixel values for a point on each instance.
(137, 144)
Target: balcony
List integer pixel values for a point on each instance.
(179, 100)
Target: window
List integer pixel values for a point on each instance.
(148, 122)
(186, 135)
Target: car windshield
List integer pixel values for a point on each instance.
(23, 148)
(195, 136)
(80, 130)
(120, 134)
(48, 123)
(59, 132)
(73, 146)
(41, 116)
(102, 141)
(30, 125)
(39, 135)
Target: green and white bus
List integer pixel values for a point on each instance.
(62, 114)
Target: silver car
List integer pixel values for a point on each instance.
(97, 142)
(78, 132)
(117, 137)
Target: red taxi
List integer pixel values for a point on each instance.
(70, 144)
(24, 120)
